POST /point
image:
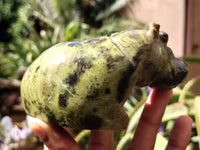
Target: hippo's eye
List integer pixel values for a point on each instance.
(163, 36)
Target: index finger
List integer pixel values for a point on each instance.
(149, 123)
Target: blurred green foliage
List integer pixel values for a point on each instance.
(30, 27)
(7, 67)
(65, 10)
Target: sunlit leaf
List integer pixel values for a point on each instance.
(134, 116)
(173, 111)
(82, 134)
(187, 87)
(124, 142)
(161, 142)
(192, 59)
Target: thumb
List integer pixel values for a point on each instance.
(54, 137)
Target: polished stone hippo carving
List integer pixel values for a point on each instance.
(84, 84)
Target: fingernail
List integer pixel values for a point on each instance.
(38, 130)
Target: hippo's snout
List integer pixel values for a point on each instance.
(175, 76)
(180, 71)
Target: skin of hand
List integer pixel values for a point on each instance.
(57, 138)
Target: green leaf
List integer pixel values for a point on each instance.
(192, 59)
(128, 106)
(135, 116)
(125, 140)
(161, 142)
(71, 30)
(82, 134)
(173, 111)
(187, 87)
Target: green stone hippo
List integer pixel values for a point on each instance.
(84, 84)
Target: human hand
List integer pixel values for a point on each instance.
(57, 138)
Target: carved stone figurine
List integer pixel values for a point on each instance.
(84, 84)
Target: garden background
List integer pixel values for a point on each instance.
(27, 28)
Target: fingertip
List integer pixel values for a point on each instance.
(184, 120)
(39, 128)
(158, 96)
(34, 123)
(180, 134)
(183, 123)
